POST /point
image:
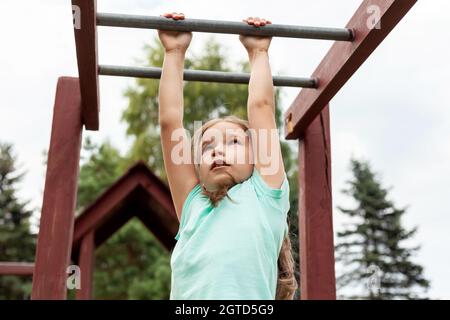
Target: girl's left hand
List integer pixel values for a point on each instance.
(252, 43)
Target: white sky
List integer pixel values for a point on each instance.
(394, 111)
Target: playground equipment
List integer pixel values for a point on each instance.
(307, 120)
(205, 76)
(227, 27)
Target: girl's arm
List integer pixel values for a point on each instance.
(261, 109)
(180, 173)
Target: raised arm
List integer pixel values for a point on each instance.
(179, 167)
(261, 108)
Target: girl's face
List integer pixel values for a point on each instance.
(226, 156)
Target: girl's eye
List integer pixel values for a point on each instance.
(207, 148)
(235, 141)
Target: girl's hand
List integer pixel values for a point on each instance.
(175, 40)
(252, 43)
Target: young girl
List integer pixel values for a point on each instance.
(232, 199)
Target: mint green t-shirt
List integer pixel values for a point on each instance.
(230, 252)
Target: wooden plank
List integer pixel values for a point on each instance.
(16, 268)
(315, 212)
(58, 209)
(343, 59)
(86, 264)
(86, 47)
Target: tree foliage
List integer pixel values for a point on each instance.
(372, 248)
(17, 242)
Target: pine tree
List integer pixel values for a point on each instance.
(17, 243)
(372, 247)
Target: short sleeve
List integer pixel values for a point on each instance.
(185, 209)
(276, 198)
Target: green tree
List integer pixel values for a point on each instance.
(202, 102)
(372, 247)
(17, 242)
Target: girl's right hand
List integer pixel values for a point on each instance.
(175, 40)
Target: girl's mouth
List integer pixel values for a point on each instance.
(219, 164)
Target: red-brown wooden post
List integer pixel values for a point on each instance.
(85, 28)
(315, 210)
(57, 217)
(86, 263)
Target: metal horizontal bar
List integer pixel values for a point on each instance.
(205, 76)
(229, 27)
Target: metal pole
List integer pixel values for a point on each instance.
(229, 27)
(204, 76)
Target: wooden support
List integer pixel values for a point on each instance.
(86, 263)
(57, 217)
(371, 23)
(85, 28)
(315, 212)
(16, 268)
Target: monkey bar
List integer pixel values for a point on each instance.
(307, 120)
(227, 27)
(205, 76)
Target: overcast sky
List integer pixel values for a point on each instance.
(395, 110)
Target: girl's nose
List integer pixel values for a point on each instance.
(218, 150)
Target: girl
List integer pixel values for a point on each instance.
(232, 199)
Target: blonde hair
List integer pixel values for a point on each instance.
(286, 284)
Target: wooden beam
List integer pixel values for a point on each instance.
(315, 212)
(86, 263)
(86, 46)
(58, 209)
(16, 268)
(343, 59)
